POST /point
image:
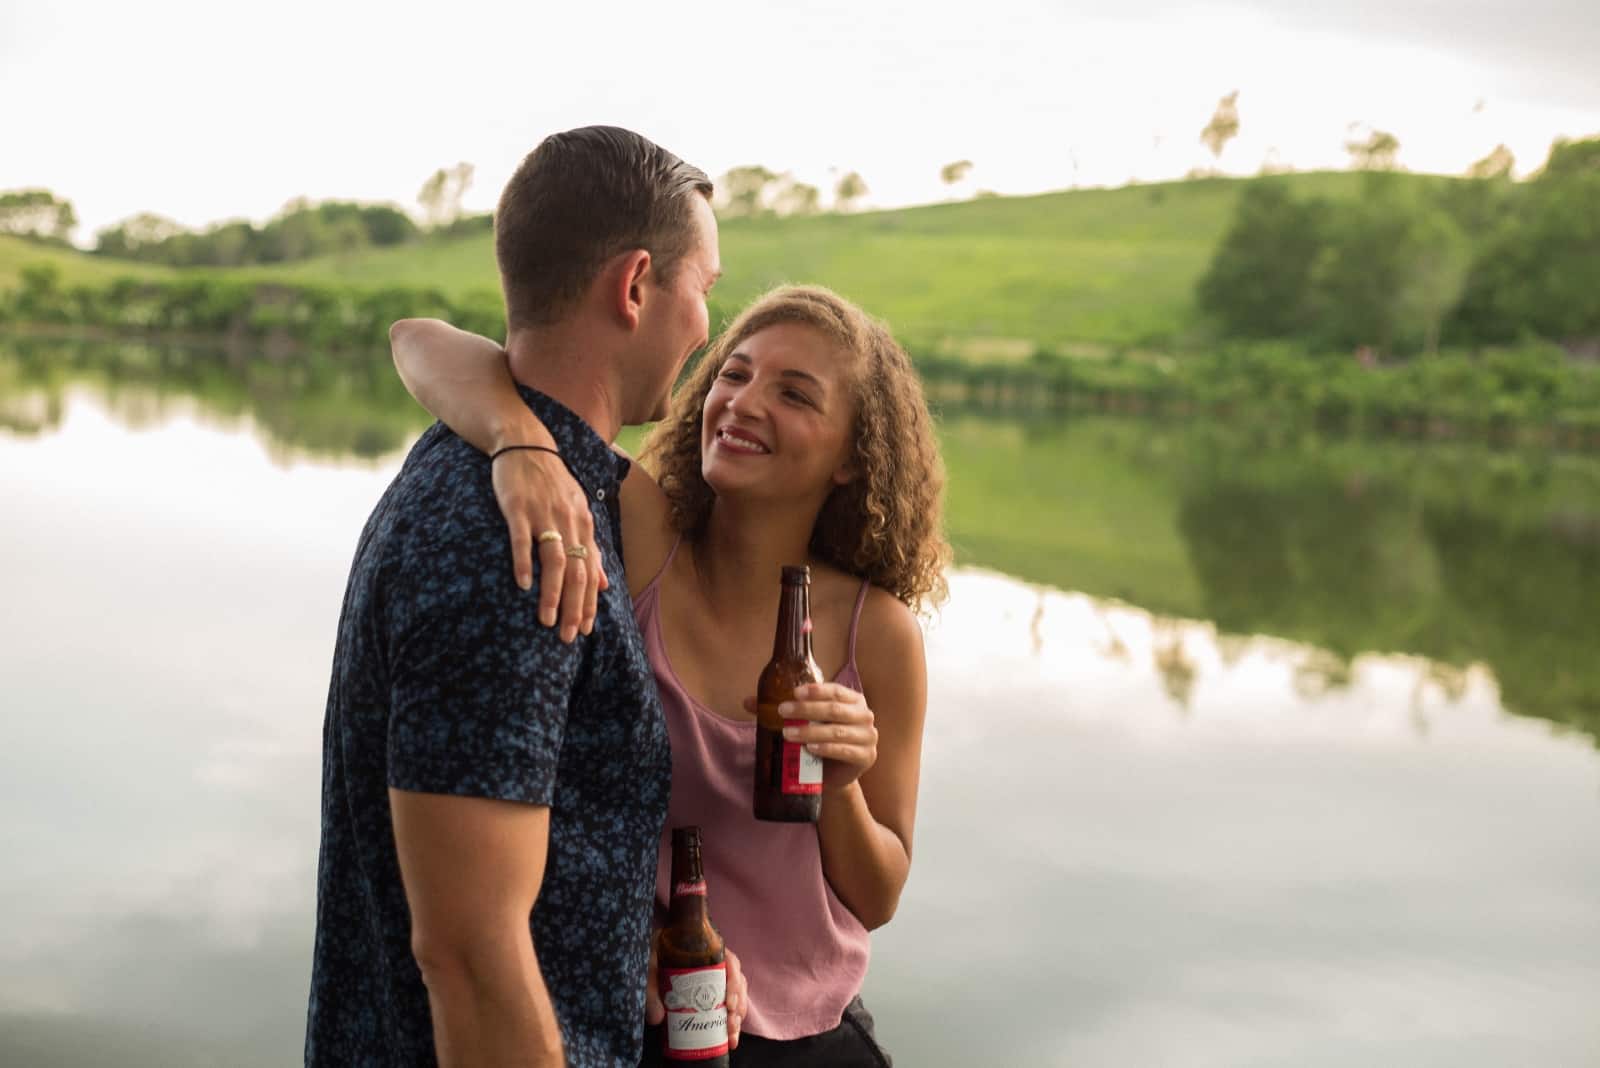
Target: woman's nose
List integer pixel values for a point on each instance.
(744, 402)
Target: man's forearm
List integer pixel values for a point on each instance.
(491, 1008)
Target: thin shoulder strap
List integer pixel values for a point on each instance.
(650, 587)
(855, 621)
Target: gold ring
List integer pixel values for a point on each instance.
(578, 552)
(549, 535)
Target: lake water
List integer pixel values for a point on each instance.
(1243, 747)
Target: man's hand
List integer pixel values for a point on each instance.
(537, 494)
(738, 995)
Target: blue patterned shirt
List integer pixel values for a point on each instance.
(445, 682)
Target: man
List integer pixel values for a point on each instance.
(493, 795)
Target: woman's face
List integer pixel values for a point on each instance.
(779, 418)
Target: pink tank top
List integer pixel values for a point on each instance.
(803, 972)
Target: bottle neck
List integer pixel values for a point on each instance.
(793, 639)
(688, 903)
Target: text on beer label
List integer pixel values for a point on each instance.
(691, 889)
(696, 1000)
(802, 769)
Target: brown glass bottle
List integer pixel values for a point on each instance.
(788, 777)
(689, 964)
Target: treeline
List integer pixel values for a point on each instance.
(1409, 267)
(315, 316)
(301, 231)
(1493, 391)
(1531, 391)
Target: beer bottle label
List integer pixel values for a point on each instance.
(697, 1012)
(802, 769)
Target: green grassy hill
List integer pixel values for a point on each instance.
(76, 268)
(1096, 267)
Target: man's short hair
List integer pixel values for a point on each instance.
(580, 198)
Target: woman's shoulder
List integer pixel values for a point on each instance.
(888, 627)
(647, 534)
(886, 639)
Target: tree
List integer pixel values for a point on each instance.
(741, 192)
(38, 214)
(952, 173)
(791, 197)
(440, 196)
(849, 189)
(1259, 280)
(1377, 153)
(137, 236)
(1569, 158)
(1390, 271)
(1497, 164)
(1540, 271)
(1224, 125)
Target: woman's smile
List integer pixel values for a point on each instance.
(740, 441)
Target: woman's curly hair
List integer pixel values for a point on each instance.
(886, 524)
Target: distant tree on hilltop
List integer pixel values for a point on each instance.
(130, 238)
(440, 196)
(1379, 152)
(1224, 125)
(952, 173)
(793, 197)
(741, 191)
(849, 189)
(1570, 158)
(38, 214)
(1497, 164)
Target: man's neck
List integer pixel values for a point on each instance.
(565, 368)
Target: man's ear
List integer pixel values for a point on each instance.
(627, 285)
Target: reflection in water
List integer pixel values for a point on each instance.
(1145, 837)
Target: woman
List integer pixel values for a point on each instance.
(802, 436)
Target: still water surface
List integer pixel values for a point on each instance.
(1280, 812)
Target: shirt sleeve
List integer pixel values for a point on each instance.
(479, 689)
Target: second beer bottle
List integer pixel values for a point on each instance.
(689, 964)
(788, 785)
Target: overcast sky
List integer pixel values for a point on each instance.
(205, 111)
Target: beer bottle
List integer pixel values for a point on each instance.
(689, 964)
(788, 776)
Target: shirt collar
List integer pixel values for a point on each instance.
(588, 456)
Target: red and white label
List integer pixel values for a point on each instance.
(697, 1012)
(802, 769)
(691, 889)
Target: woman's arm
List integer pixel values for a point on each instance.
(874, 761)
(463, 380)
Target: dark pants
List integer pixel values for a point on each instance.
(850, 1045)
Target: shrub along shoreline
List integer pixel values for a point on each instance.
(1530, 392)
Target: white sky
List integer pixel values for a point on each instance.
(204, 111)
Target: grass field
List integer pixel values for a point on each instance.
(76, 268)
(995, 275)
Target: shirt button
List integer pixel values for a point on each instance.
(600, 495)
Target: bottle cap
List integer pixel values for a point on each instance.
(796, 575)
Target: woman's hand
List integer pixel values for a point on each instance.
(843, 730)
(536, 494)
(736, 997)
